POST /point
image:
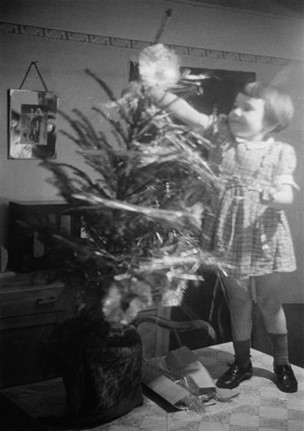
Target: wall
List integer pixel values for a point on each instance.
(67, 36)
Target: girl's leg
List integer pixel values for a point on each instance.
(274, 318)
(273, 314)
(269, 302)
(240, 307)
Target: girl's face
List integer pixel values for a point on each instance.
(246, 119)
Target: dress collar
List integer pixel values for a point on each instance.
(252, 145)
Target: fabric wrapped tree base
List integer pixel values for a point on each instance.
(101, 369)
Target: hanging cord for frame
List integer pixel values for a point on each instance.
(33, 63)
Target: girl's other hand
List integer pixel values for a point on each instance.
(277, 198)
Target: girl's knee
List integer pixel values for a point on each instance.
(269, 304)
(240, 303)
(267, 295)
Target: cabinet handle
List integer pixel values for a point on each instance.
(46, 300)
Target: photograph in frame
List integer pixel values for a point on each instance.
(32, 124)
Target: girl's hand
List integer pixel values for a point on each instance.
(277, 198)
(267, 196)
(159, 67)
(159, 71)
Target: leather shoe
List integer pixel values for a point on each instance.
(227, 385)
(286, 380)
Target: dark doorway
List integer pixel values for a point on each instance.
(219, 89)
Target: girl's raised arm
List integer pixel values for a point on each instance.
(180, 108)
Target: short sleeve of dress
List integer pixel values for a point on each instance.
(283, 173)
(219, 134)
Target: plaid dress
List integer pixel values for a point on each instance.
(253, 239)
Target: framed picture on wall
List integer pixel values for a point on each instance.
(32, 124)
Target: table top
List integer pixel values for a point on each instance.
(260, 405)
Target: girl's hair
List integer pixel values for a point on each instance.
(279, 108)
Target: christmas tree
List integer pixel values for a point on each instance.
(141, 218)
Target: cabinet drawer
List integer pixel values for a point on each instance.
(31, 320)
(25, 355)
(32, 300)
(29, 311)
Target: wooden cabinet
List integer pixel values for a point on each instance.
(29, 309)
(26, 220)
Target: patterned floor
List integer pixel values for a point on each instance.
(259, 406)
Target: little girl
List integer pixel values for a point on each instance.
(250, 227)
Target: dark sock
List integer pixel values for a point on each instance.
(242, 352)
(279, 344)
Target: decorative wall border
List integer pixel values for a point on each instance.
(116, 42)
